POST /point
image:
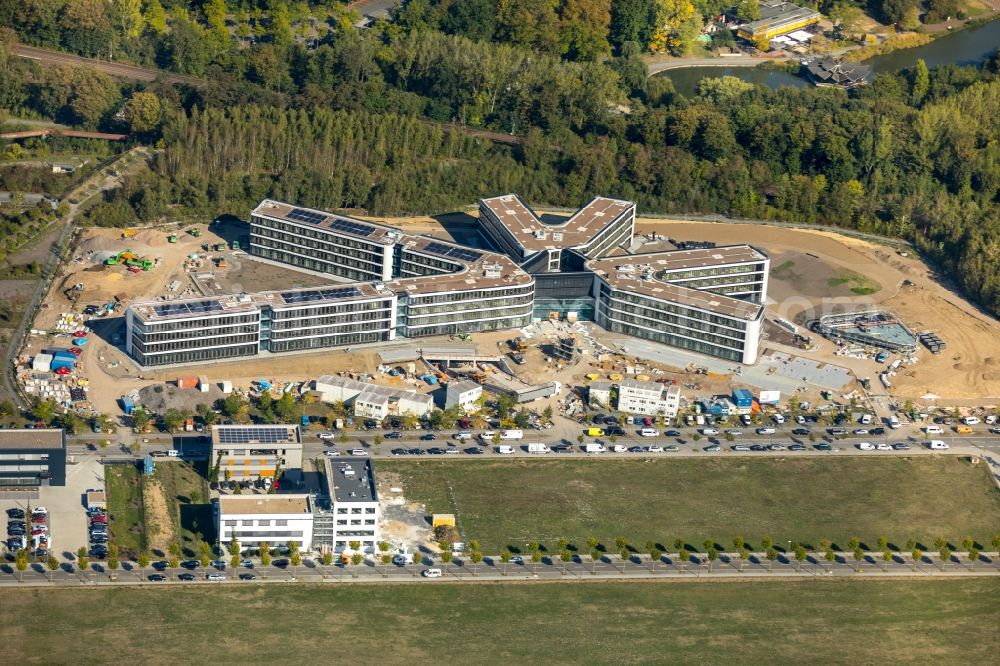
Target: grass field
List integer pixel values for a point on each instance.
(858, 284)
(821, 622)
(511, 502)
(185, 517)
(123, 484)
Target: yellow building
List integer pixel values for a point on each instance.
(777, 18)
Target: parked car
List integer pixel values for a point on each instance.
(712, 448)
(248, 576)
(431, 573)
(185, 576)
(655, 448)
(740, 447)
(901, 446)
(882, 446)
(822, 446)
(326, 435)
(426, 438)
(866, 446)
(358, 452)
(802, 432)
(797, 447)
(156, 577)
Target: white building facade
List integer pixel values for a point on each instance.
(464, 394)
(275, 519)
(648, 398)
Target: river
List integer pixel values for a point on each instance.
(964, 47)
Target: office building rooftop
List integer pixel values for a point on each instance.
(534, 235)
(27, 438)
(269, 504)
(350, 479)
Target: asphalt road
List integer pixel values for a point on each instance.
(609, 567)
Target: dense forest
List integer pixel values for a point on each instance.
(363, 119)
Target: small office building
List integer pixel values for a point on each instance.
(32, 458)
(372, 401)
(275, 519)
(464, 394)
(599, 393)
(255, 451)
(353, 514)
(649, 398)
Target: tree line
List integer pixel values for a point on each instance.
(343, 124)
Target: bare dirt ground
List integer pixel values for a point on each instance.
(813, 272)
(159, 528)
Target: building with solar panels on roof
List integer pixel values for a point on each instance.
(256, 451)
(708, 300)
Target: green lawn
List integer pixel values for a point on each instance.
(186, 493)
(124, 489)
(512, 502)
(190, 512)
(817, 622)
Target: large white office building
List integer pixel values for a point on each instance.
(351, 511)
(396, 284)
(274, 519)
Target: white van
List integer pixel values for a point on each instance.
(537, 447)
(866, 419)
(709, 431)
(971, 420)
(462, 436)
(487, 436)
(778, 418)
(894, 422)
(173, 453)
(594, 448)
(866, 446)
(937, 445)
(619, 448)
(511, 434)
(431, 573)
(765, 431)
(649, 432)
(505, 449)
(934, 430)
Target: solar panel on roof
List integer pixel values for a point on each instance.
(460, 253)
(182, 309)
(303, 215)
(265, 435)
(297, 297)
(350, 227)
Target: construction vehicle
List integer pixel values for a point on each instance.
(128, 233)
(195, 232)
(219, 247)
(172, 238)
(236, 245)
(518, 344)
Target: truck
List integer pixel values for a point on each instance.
(519, 344)
(594, 447)
(511, 434)
(538, 447)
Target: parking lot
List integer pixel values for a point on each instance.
(67, 519)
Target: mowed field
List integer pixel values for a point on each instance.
(819, 622)
(509, 503)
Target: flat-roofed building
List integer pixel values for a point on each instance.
(648, 398)
(599, 393)
(256, 451)
(30, 459)
(275, 519)
(379, 402)
(687, 299)
(354, 513)
(464, 394)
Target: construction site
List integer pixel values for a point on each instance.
(814, 274)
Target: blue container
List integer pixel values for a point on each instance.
(127, 405)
